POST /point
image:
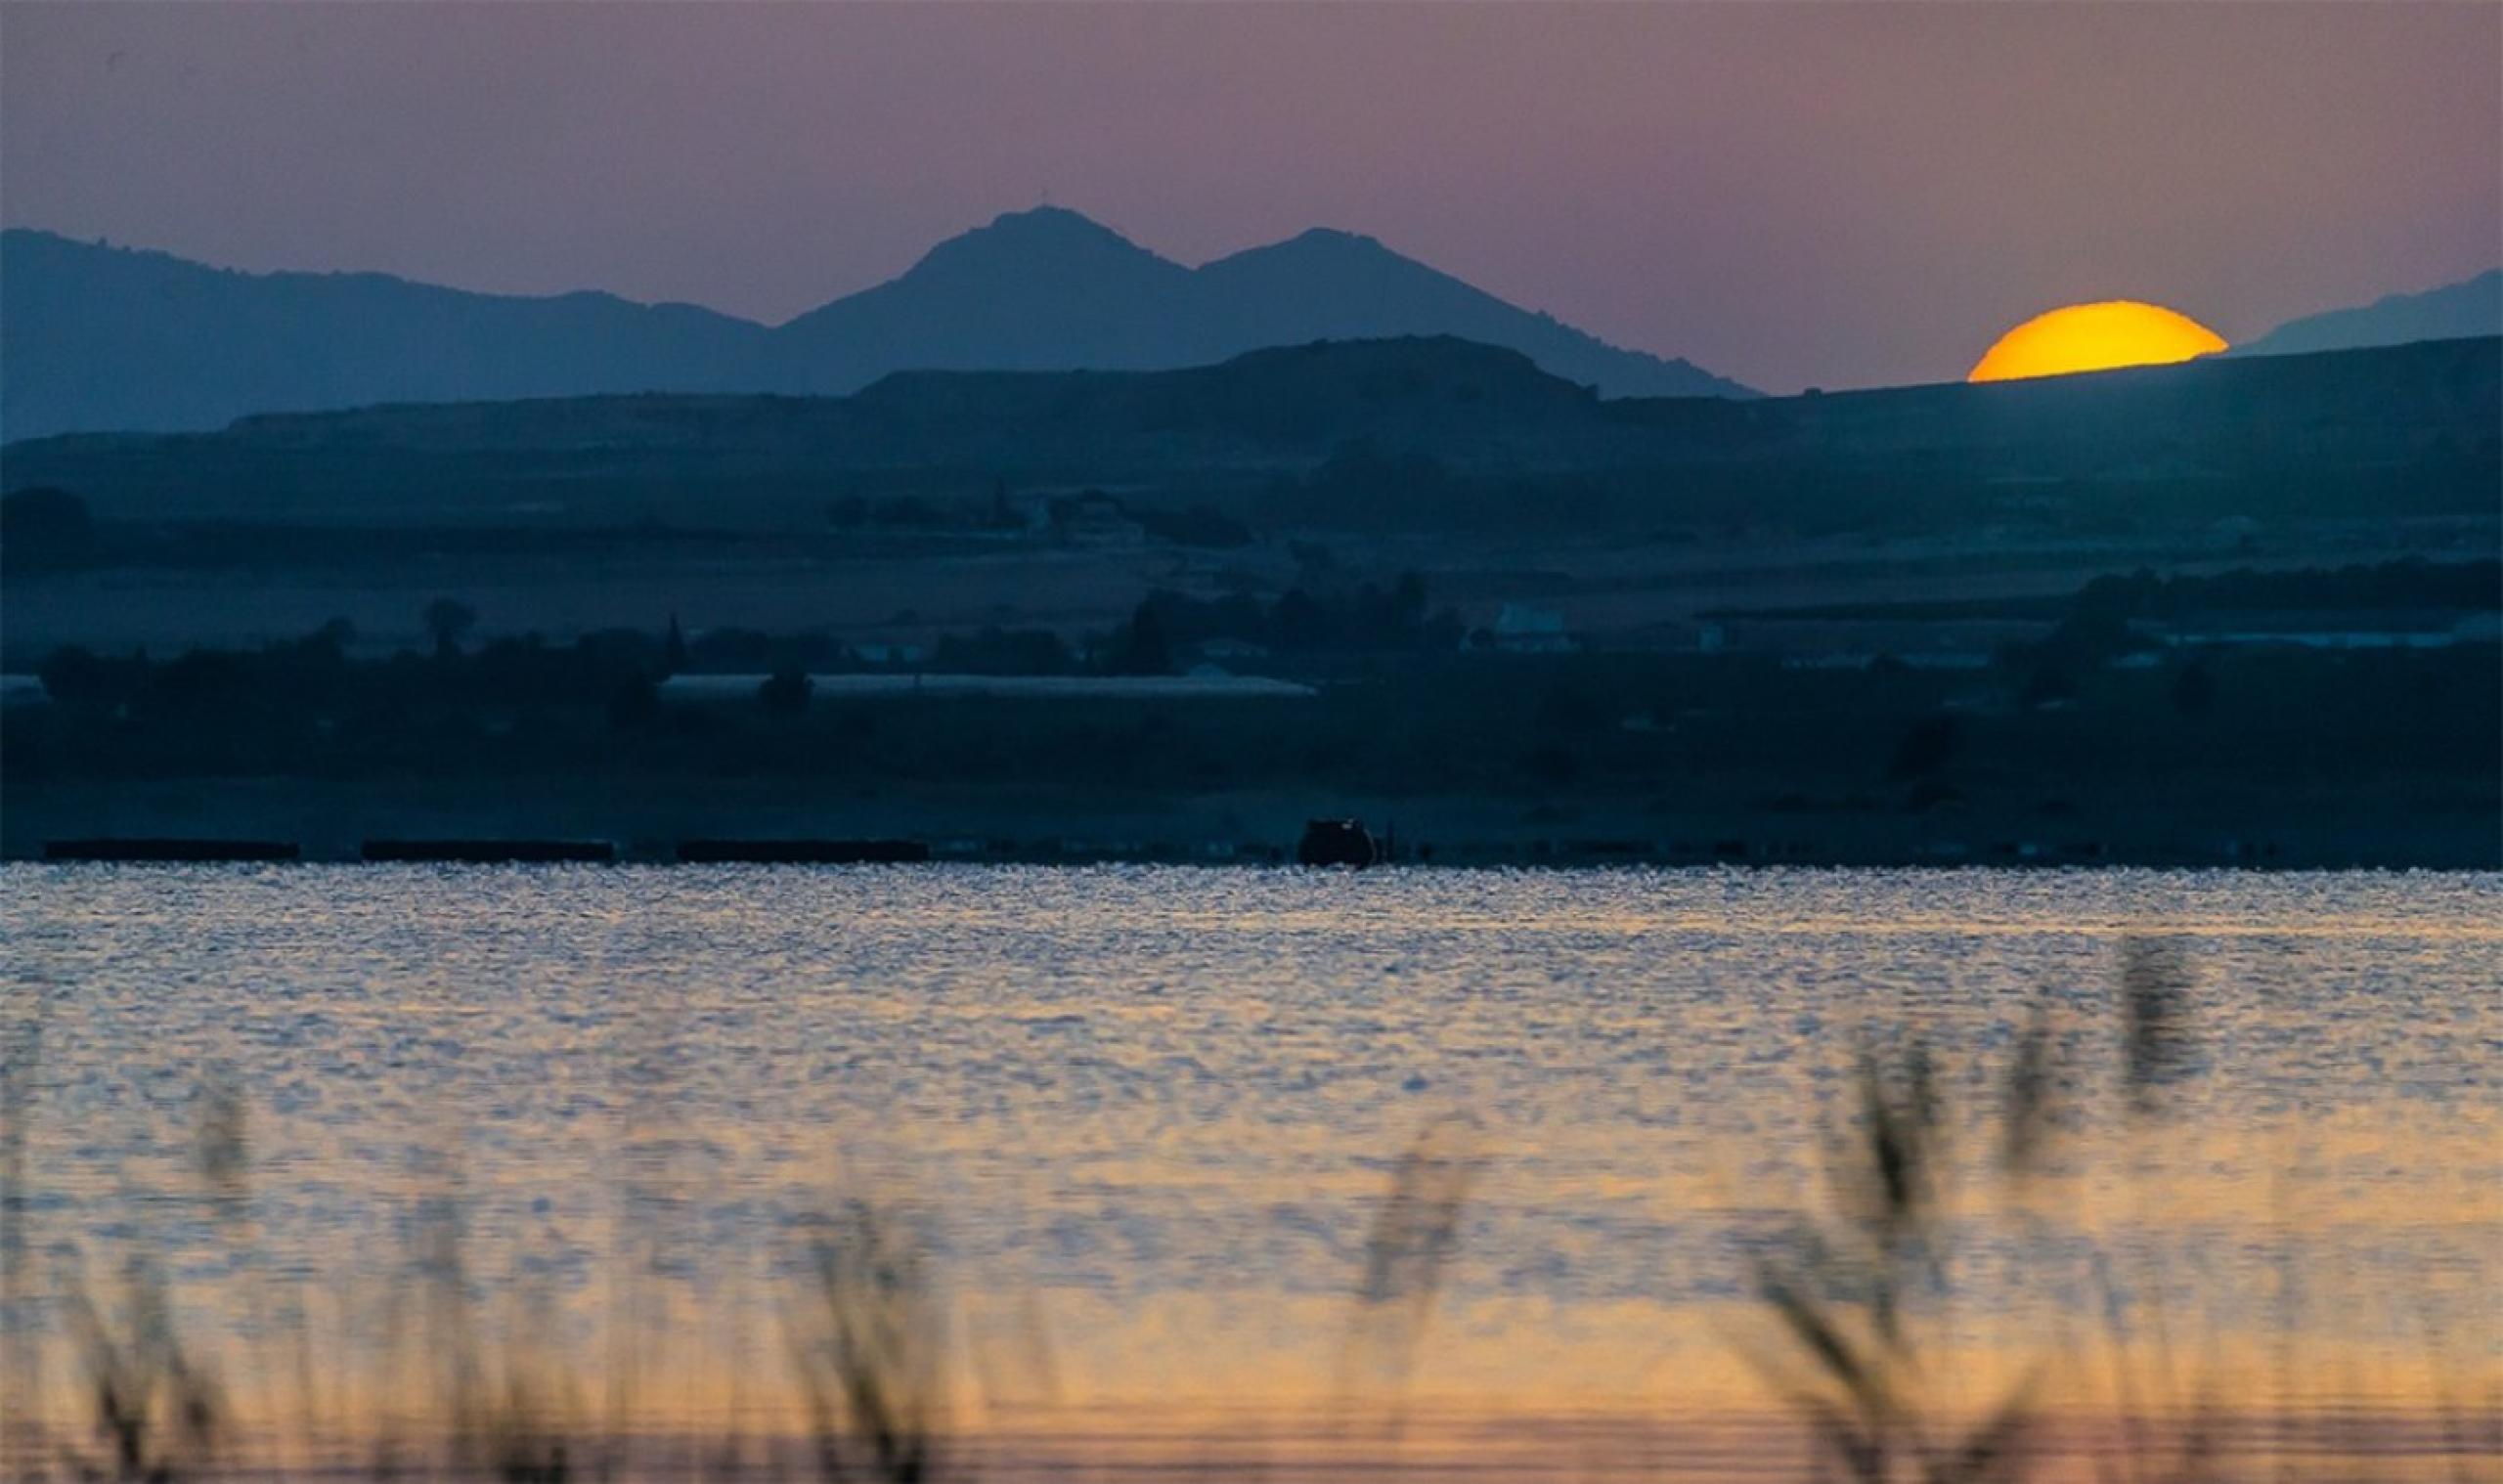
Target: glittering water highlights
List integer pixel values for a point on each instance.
(1143, 1118)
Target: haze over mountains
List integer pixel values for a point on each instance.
(98, 339)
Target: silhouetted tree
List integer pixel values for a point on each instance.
(199, 687)
(1408, 602)
(45, 529)
(1199, 525)
(448, 620)
(1925, 749)
(635, 704)
(785, 692)
(1300, 622)
(1144, 648)
(997, 651)
(673, 649)
(77, 677)
(2193, 692)
(335, 634)
(2053, 679)
(734, 650)
(1552, 762)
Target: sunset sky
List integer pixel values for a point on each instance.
(1791, 194)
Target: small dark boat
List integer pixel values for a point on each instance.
(1337, 843)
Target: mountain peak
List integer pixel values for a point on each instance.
(1047, 222)
(1319, 245)
(1334, 238)
(1021, 239)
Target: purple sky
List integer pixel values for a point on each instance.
(1790, 194)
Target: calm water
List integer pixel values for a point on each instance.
(1144, 1117)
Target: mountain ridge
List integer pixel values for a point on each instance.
(2470, 308)
(108, 338)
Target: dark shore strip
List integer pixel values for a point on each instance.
(167, 850)
(492, 852)
(802, 852)
(1557, 853)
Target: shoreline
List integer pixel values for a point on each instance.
(579, 854)
(650, 821)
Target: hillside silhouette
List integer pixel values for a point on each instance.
(96, 337)
(99, 338)
(1049, 289)
(2470, 307)
(1417, 431)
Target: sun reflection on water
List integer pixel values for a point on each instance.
(1141, 1119)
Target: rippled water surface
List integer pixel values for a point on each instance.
(1145, 1117)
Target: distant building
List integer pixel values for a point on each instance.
(877, 652)
(2296, 634)
(1924, 659)
(2235, 531)
(1093, 518)
(1023, 514)
(1522, 630)
(741, 689)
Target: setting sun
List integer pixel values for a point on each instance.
(2084, 337)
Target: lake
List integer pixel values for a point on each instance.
(1141, 1128)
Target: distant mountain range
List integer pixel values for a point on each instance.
(96, 338)
(2455, 311)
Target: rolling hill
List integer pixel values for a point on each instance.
(1407, 430)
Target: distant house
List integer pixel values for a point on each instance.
(877, 652)
(1022, 514)
(2322, 632)
(1225, 649)
(2235, 531)
(1093, 518)
(1837, 659)
(1522, 630)
(1923, 659)
(1223, 656)
(741, 689)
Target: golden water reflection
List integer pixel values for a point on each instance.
(1142, 1121)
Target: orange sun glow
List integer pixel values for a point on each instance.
(2084, 337)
